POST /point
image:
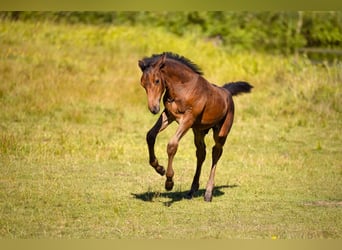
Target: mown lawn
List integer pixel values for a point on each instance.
(73, 157)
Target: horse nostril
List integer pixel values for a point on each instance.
(155, 110)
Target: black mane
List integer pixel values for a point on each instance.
(148, 61)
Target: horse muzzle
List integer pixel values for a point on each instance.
(154, 109)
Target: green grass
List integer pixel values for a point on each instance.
(73, 157)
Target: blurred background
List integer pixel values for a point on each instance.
(317, 34)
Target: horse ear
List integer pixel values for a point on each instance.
(161, 61)
(142, 65)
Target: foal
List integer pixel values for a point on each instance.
(191, 101)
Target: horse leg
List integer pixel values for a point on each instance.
(216, 154)
(220, 136)
(200, 155)
(172, 149)
(163, 121)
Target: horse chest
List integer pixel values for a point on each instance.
(176, 108)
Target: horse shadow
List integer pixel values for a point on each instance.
(177, 196)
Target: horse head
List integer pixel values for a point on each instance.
(153, 82)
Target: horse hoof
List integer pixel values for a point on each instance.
(168, 185)
(160, 170)
(189, 195)
(208, 197)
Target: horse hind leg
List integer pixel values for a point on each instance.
(216, 154)
(220, 136)
(200, 155)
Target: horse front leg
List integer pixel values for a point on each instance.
(163, 121)
(172, 146)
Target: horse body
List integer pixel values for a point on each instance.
(191, 101)
(197, 96)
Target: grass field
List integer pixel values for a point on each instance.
(74, 161)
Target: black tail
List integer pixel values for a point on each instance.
(236, 88)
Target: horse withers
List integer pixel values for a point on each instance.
(191, 101)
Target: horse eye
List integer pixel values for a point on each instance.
(157, 81)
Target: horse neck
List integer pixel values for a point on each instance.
(178, 76)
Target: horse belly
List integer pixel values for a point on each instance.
(210, 121)
(202, 126)
(212, 114)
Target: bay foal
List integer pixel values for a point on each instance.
(191, 101)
